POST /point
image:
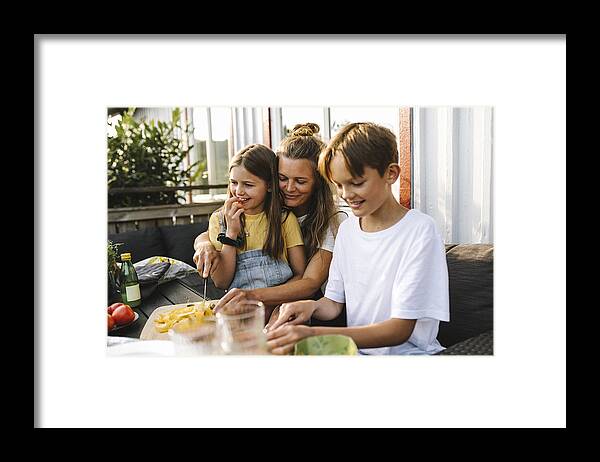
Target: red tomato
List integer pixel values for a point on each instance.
(123, 315)
(111, 322)
(113, 307)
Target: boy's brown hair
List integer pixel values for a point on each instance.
(361, 144)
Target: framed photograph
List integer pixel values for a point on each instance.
(481, 151)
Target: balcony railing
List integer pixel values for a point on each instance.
(124, 219)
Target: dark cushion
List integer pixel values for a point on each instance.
(483, 344)
(470, 274)
(142, 243)
(179, 240)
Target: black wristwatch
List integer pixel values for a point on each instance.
(223, 239)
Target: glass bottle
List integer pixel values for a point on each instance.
(130, 287)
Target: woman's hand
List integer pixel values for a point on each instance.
(205, 258)
(293, 313)
(281, 341)
(232, 210)
(235, 297)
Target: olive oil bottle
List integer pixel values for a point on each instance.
(130, 287)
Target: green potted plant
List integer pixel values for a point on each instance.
(150, 153)
(113, 270)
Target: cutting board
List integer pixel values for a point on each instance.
(149, 332)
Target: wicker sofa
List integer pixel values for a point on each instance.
(471, 284)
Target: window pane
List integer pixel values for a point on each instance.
(293, 115)
(200, 123)
(211, 149)
(386, 116)
(220, 118)
(221, 123)
(198, 152)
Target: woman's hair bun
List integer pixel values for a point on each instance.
(307, 129)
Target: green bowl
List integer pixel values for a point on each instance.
(326, 345)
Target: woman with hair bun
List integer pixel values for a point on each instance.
(310, 196)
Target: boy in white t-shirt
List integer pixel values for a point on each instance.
(389, 264)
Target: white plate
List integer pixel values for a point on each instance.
(143, 348)
(150, 333)
(128, 324)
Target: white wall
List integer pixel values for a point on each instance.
(452, 170)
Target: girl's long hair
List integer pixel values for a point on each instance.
(262, 162)
(303, 143)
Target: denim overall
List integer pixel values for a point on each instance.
(255, 270)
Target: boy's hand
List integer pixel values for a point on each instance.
(232, 210)
(293, 313)
(205, 258)
(281, 341)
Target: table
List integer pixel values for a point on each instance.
(190, 288)
(185, 290)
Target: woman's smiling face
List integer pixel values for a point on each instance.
(296, 181)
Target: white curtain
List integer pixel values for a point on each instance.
(247, 126)
(452, 171)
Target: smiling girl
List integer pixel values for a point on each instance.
(259, 245)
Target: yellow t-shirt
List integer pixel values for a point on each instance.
(256, 231)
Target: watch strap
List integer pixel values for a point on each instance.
(223, 239)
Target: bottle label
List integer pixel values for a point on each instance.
(133, 293)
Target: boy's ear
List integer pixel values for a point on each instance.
(392, 173)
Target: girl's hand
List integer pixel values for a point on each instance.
(235, 297)
(205, 258)
(281, 341)
(232, 210)
(293, 313)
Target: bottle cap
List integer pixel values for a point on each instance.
(125, 256)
